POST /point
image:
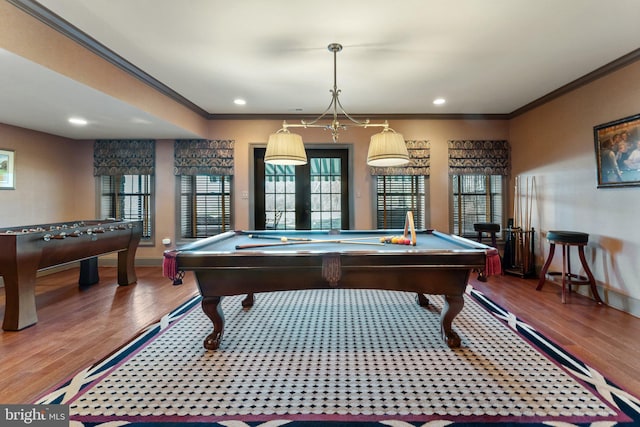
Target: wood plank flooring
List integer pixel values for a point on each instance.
(79, 326)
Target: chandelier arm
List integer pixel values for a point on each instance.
(321, 116)
(364, 123)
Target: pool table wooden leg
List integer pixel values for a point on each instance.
(452, 306)
(212, 308)
(423, 301)
(248, 301)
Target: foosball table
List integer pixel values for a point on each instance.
(25, 250)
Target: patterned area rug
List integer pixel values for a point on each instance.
(343, 357)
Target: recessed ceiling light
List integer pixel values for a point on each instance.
(78, 121)
(239, 101)
(439, 101)
(140, 121)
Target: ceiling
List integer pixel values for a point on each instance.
(484, 57)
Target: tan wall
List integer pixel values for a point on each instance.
(554, 143)
(53, 179)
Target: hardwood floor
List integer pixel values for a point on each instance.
(79, 326)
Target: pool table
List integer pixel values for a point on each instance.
(248, 262)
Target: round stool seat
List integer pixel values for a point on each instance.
(486, 227)
(567, 237)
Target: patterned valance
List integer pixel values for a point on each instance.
(479, 158)
(419, 163)
(203, 157)
(124, 157)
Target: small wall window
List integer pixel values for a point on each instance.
(205, 205)
(397, 194)
(128, 197)
(475, 199)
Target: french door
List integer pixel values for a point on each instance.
(308, 197)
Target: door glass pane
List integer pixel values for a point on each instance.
(326, 193)
(279, 197)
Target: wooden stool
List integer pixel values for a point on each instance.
(491, 230)
(568, 239)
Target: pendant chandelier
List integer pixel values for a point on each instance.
(387, 148)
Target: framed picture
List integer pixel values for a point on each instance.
(7, 170)
(618, 152)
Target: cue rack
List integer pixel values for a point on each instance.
(519, 256)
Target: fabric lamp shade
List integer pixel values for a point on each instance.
(285, 148)
(386, 149)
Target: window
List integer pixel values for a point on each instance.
(128, 197)
(397, 194)
(476, 198)
(205, 205)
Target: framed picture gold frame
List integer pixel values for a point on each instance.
(617, 148)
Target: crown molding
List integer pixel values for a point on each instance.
(609, 68)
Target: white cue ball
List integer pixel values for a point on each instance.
(283, 239)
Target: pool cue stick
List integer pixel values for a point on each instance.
(303, 242)
(264, 236)
(529, 228)
(355, 238)
(517, 203)
(304, 239)
(525, 231)
(351, 242)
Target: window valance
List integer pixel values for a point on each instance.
(203, 157)
(478, 157)
(124, 157)
(419, 161)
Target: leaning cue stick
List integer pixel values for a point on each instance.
(410, 227)
(303, 242)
